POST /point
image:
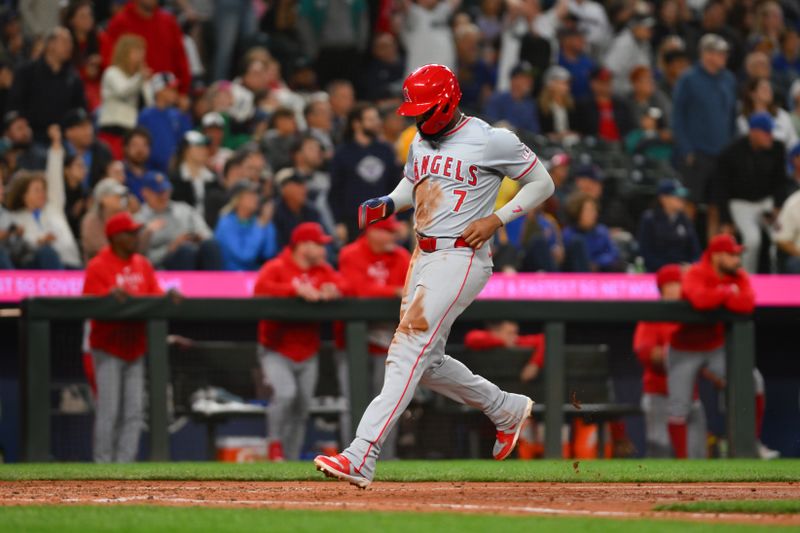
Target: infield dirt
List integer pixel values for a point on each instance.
(612, 500)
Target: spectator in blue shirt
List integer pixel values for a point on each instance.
(588, 245)
(704, 119)
(293, 206)
(517, 105)
(666, 235)
(246, 238)
(573, 57)
(476, 78)
(165, 122)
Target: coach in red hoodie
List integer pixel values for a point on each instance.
(160, 30)
(716, 281)
(288, 350)
(117, 347)
(373, 266)
(651, 343)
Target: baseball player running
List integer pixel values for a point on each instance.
(451, 179)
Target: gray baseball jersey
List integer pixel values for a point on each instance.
(457, 179)
(456, 182)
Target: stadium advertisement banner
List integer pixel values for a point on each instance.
(771, 290)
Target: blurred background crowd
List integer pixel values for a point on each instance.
(222, 125)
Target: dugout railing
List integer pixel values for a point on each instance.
(38, 313)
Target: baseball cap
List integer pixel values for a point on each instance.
(670, 187)
(163, 80)
(309, 231)
(75, 117)
(668, 274)
(643, 19)
(213, 120)
(11, 117)
(711, 42)
(569, 30)
(589, 171)
(195, 138)
(156, 182)
(109, 187)
(724, 243)
(558, 160)
(522, 67)
(242, 186)
(761, 121)
(121, 223)
(387, 224)
(556, 73)
(287, 175)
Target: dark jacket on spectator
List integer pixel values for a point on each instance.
(703, 112)
(99, 157)
(746, 174)
(359, 173)
(547, 120)
(285, 221)
(43, 96)
(664, 240)
(588, 117)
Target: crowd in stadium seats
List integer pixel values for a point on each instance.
(222, 125)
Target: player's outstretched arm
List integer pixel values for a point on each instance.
(376, 209)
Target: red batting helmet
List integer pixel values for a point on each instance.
(432, 87)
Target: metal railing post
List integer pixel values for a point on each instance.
(554, 397)
(740, 389)
(36, 429)
(157, 370)
(357, 359)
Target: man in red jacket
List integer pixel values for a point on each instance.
(288, 350)
(118, 347)
(165, 51)
(374, 266)
(716, 281)
(651, 344)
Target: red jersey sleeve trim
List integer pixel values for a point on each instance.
(530, 167)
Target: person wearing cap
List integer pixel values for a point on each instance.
(629, 49)
(18, 135)
(246, 236)
(374, 266)
(557, 113)
(759, 98)
(308, 159)
(651, 342)
(191, 176)
(183, 240)
(288, 350)
(573, 56)
(121, 88)
(703, 119)
(674, 64)
(292, 207)
(750, 184)
(716, 281)
(517, 105)
(45, 89)
(80, 141)
(212, 126)
(161, 32)
(164, 120)
(666, 235)
(118, 347)
(475, 77)
(603, 115)
(110, 198)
